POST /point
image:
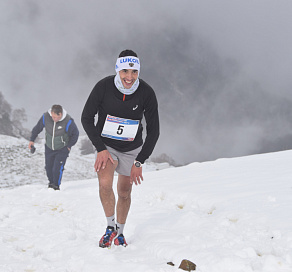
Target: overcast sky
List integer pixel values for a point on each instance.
(55, 51)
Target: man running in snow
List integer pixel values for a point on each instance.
(120, 101)
(61, 134)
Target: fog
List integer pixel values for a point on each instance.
(220, 69)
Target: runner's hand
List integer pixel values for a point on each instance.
(136, 175)
(30, 144)
(101, 160)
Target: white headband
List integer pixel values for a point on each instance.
(128, 62)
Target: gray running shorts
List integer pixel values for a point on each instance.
(125, 159)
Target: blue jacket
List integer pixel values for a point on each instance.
(60, 134)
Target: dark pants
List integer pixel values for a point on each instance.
(55, 162)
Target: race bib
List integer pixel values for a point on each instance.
(120, 128)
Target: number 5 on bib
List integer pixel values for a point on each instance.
(120, 128)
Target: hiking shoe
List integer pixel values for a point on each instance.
(55, 187)
(107, 239)
(120, 241)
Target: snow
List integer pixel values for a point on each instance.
(19, 166)
(228, 215)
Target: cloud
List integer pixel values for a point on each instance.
(209, 62)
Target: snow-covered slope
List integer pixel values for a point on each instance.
(18, 166)
(229, 215)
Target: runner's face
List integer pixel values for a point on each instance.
(56, 117)
(128, 77)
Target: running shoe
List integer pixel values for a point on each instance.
(107, 239)
(120, 241)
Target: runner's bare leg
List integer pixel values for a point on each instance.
(124, 198)
(106, 193)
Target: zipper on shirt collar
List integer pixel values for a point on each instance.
(53, 136)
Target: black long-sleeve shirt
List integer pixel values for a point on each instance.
(105, 99)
